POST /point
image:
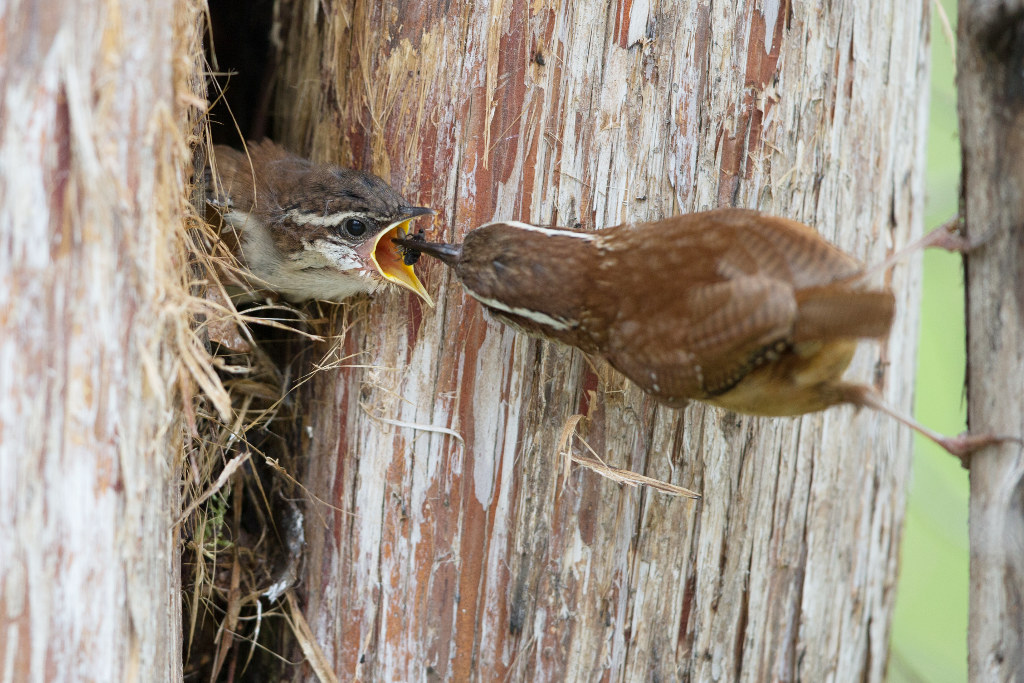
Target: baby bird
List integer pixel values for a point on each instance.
(310, 231)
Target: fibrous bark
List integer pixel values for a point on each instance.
(94, 99)
(476, 557)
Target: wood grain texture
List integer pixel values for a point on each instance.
(479, 561)
(92, 188)
(991, 96)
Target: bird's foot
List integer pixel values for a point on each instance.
(960, 446)
(963, 446)
(947, 237)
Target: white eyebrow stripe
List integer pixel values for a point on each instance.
(331, 221)
(539, 318)
(551, 232)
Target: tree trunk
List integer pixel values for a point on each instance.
(991, 94)
(475, 558)
(92, 185)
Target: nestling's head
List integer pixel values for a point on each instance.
(312, 231)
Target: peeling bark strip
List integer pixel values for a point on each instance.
(477, 561)
(93, 102)
(991, 93)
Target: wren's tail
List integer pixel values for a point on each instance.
(838, 312)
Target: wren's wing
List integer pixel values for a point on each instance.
(726, 291)
(229, 179)
(233, 183)
(703, 342)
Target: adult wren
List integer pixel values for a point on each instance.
(311, 231)
(753, 313)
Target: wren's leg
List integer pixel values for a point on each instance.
(946, 237)
(962, 445)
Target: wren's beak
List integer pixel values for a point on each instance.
(390, 262)
(448, 253)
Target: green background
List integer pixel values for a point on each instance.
(929, 637)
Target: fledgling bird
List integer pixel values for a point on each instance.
(311, 231)
(753, 313)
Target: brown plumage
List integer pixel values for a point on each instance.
(753, 313)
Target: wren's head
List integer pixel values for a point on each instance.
(533, 278)
(312, 231)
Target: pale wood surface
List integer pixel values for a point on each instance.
(479, 561)
(92, 186)
(991, 95)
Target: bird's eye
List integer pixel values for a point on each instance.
(354, 227)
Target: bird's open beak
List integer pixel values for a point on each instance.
(390, 260)
(448, 253)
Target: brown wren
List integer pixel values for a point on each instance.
(749, 312)
(311, 231)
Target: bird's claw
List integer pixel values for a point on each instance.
(963, 446)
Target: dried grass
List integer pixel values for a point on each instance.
(243, 539)
(241, 534)
(594, 463)
(241, 553)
